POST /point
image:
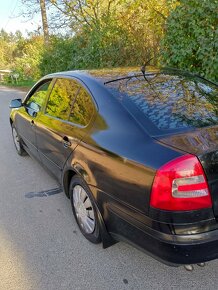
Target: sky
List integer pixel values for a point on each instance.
(9, 20)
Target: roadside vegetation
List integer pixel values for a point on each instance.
(80, 34)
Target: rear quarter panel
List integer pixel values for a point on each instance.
(117, 156)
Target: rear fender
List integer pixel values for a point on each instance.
(69, 172)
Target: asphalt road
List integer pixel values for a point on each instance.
(42, 248)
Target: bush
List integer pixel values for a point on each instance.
(191, 40)
(89, 49)
(27, 58)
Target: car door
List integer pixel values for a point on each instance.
(64, 123)
(25, 120)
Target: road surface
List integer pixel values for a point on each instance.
(42, 248)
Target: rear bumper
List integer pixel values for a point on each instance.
(170, 249)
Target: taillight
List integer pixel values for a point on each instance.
(181, 185)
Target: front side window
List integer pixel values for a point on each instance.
(36, 101)
(61, 98)
(39, 96)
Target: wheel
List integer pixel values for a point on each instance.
(84, 209)
(17, 142)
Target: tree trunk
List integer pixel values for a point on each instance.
(44, 21)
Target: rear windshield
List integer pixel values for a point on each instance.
(169, 101)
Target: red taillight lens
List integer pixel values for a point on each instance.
(181, 185)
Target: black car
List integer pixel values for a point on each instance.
(135, 151)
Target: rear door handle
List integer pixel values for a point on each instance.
(66, 142)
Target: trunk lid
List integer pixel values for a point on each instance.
(203, 143)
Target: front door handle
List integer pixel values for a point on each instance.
(66, 142)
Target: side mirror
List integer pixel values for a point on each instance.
(17, 103)
(32, 109)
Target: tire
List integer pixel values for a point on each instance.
(17, 142)
(84, 209)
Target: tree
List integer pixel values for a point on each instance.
(32, 8)
(8, 42)
(113, 32)
(27, 57)
(191, 40)
(44, 21)
(90, 13)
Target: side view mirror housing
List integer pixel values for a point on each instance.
(17, 103)
(32, 109)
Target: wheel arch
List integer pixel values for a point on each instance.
(67, 176)
(107, 239)
(11, 121)
(76, 168)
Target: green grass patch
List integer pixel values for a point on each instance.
(23, 85)
(28, 84)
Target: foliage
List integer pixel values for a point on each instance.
(86, 50)
(58, 54)
(28, 57)
(21, 55)
(107, 34)
(7, 46)
(26, 85)
(191, 40)
(113, 33)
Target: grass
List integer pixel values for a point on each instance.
(22, 85)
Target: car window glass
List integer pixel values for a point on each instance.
(170, 101)
(83, 108)
(39, 97)
(61, 98)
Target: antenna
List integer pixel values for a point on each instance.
(144, 66)
(144, 75)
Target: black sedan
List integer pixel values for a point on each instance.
(135, 151)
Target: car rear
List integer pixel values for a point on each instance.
(182, 113)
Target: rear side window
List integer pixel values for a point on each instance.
(171, 102)
(82, 109)
(61, 98)
(69, 101)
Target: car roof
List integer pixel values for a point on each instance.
(106, 75)
(103, 75)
